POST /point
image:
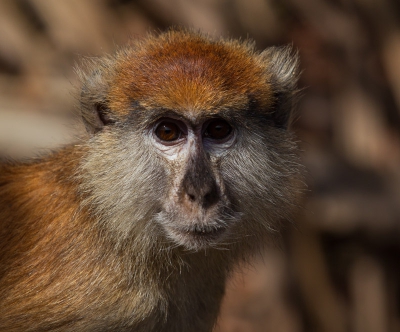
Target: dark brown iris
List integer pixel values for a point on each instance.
(168, 131)
(218, 129)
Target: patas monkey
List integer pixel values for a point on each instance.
(189, 169)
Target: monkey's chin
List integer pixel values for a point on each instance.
(197, 237)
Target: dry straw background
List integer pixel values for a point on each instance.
(339, 269)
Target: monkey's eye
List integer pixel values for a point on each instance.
(168, 131)
(218, 129)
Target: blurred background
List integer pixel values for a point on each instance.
(338, 270)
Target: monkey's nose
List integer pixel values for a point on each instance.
(199, 185)
(200, 190)
(205, 198)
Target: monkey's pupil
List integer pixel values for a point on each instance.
(168, 131)
(218, 129)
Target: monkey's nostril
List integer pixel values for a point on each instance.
(210, 199)
(192, 197)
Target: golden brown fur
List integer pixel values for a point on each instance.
(83, 243)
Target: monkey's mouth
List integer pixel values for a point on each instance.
(206, 231)
(199, 232)
(197, 237)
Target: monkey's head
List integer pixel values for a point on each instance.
(189, 141)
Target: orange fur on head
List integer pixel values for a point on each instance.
(182, 71)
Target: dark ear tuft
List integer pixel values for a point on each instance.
(282, 66)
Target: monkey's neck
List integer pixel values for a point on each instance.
(79, 276)
(195, 291)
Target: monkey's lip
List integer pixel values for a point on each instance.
(210, 231)
(199, 233)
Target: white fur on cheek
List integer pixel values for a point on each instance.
(124, 182)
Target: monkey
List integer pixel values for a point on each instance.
(189, 167)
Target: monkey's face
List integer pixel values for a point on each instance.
(191, 141)
(197, 210)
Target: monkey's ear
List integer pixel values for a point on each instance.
(93, 99)
(282, 65)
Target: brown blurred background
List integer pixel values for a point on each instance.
(339, 269)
